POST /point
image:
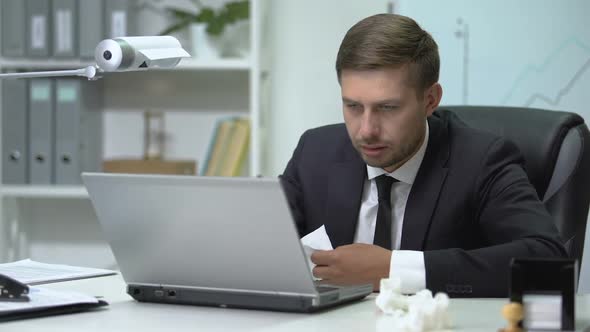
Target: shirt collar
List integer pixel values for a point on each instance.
(407, 172)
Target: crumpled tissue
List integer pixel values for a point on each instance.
(411, 313)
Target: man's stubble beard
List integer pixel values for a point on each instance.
(403, 154)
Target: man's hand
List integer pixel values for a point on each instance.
(352, 264)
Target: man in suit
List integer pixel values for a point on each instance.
(404, 191)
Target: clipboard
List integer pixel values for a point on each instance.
(19, 301)
(50, 311)
(13, 290)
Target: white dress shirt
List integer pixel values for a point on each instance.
(408, 265)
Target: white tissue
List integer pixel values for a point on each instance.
(316, 240)
(411, 313)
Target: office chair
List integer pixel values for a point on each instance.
(556, 149)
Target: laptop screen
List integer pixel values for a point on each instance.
(208, 232)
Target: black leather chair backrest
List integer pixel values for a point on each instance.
(556, 149)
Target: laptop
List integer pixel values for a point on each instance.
(228, 242)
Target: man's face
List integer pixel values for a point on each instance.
(385, 116)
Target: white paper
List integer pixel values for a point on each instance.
(316, 240)
(45, 298)
(34, 273)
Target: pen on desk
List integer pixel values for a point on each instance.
(13, 290)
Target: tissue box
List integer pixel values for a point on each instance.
(178, 167)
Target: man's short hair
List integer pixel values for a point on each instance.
(390, 41)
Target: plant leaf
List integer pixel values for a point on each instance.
(238, 10)
(230, 13)
(180, 14)
(206, 15)
(216, 26)
(176, 27)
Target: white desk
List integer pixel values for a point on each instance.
(125, 314)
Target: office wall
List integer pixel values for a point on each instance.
(532, 53)
(529, 53)
(304, 39)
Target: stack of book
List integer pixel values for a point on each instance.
(228, 149)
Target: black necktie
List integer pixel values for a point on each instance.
(383, 231)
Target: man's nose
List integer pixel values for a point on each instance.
(370, 125)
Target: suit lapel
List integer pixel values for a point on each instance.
(426, 188)
(344, 193)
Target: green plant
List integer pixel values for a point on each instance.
(216, 20)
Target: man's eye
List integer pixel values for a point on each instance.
(353, 106)
(388, 107)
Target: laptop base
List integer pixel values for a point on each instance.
(247, 300)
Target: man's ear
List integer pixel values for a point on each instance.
(432, 97)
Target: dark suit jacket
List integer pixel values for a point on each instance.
(471, 207)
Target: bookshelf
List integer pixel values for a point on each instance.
(56, 223)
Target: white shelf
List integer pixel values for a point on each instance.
(185, 64)
(214, 64)
(51, 63)
(31, 191)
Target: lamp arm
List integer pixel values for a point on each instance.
(89, 72)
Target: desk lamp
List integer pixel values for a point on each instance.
(122, 54)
